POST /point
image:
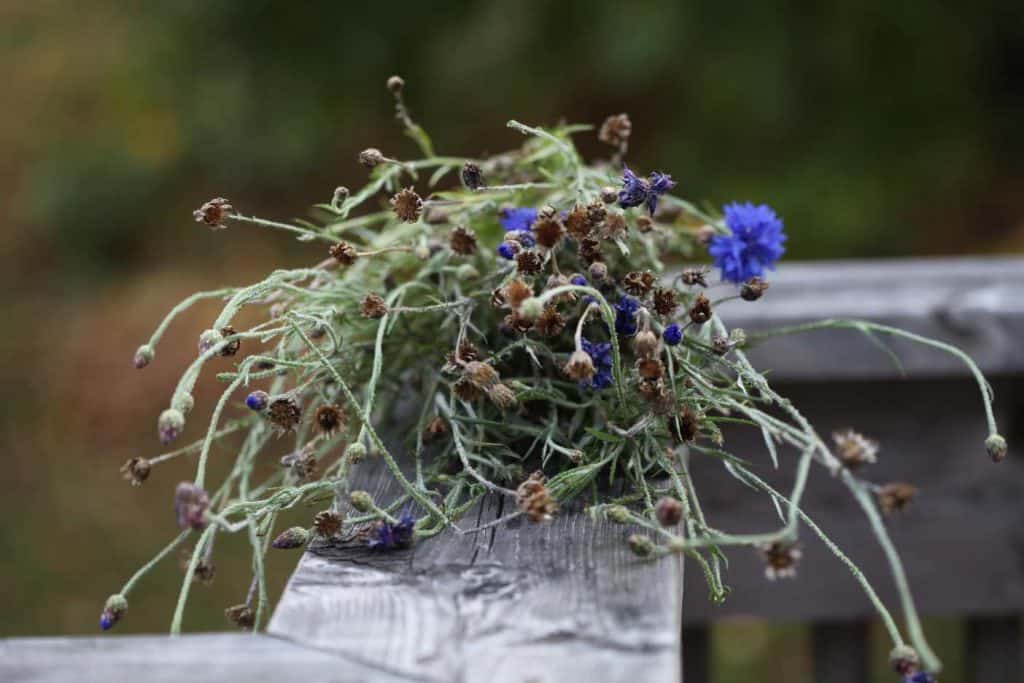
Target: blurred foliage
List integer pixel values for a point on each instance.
(875, 128)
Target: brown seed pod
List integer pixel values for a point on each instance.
(136, 470)
(548, 231)
(344, 253)
(529, 262)
(577, 222)
(231, 348)
(534, 498)
(327, 523)
(665, 301)
(373, 306)
(284, 414)
(213, 213)
(700, 312)
(638, 282)
(462, 241)
(615, 130)
(330, 419)
(407, 205)
(516, 292)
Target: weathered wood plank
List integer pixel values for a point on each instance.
(994, 648)
(975, 303)
(697, 654)
(968, 520)
(204, 658)
(841, 651)
(557, 601)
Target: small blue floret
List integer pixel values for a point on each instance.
(507, 251)
(673, 334)
(257, 400)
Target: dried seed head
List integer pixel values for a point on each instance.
(436, 428)
(904, 660)
(753, 289)
(650, 368)
(373, 306)
(502, 396)
(480, 374)
(327, 523)
(638, 282)
(344, 253)
(190, 505)
(642, 546)
(516, 292)
(559, 280)
(241, 616)
(695, 276)
(143, 356)
(720, 344)
(361, 501)
(645, 344)
(615, 130)
(472, 176)
(780, 559)
(665, 301)
(213, 213)
(466, 390)
(395, 84)
(854, 449)
(686, 425)
(205, 571)
(330, 419)
(462, 241)
(169, 425)
(615, 226)
(550, 322)
(371, 157)
(577, 222)
(534, 498)
(644, 224)
(598, 271)
(653, 392)
(669, 511)
(580, 366)
(136, 471)
(996, 447)
(895, 497)
(230, 348)
(590, 250)
(548, 231)
(609, 194)
(284, 414)
(407, 205)
(301, 464)
(294, 537)
(529, 262)
(700, 312)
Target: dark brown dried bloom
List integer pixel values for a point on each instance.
(548, 231)
(700, 312)
(231, 348)
(577, 222)
(686, 425)
(596, 214)
(665, 301)
(590, 250)
(609, 194)
(502, 396)
(329, 418)
(435, 428)
(302, 464)
(559, 280)
(650, 368)
(407, 205)
(580, 366)
(645, 344)
(516, 292)
(466, 390)
(644, 224)
(904, 660)
(371, 157)
(465, 352)
(721, 344)
(854, 449)
(205, 572)
(190, 505)
(327, 523)
(344, 253)
(534, 498)
(213, 213)
(480, 374)
(551, 323)
(615, 130)
(638, 282)
(615, 226)
(462, 241)
(669, 511)
(373, 306)
(472, 176)
(654, 393)
(284, 414)
(895, 497)
(514, 324)
(780, 559)
(241, 616)
(136, 471)
(529, 262)
(753, 289)
(695, 276)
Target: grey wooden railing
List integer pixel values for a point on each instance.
(566, 601)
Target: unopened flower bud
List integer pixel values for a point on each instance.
(641, 545)
(618, 514)
(669, 511)
(209, 339)
(421, 252)
(467, 271)
(904, 660)
(645, 344)
(113, 611)
(355, 452)
(257, 400)
(531, 308)
(169, 425)
(362, 501)
(183, 402)
(395, 84)
(371, 157)
(598, 271)
(996, 447)
(295, 537)
(580, 366)
(609, 194)
(144, 356)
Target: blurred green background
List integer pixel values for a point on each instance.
(875, 128)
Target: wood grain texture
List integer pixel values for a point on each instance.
(841, 651)
(527, 603)
(974, 303)
(204, 658)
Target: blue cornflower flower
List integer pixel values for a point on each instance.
(257, 400)
(601, 354)
(754, 245)
(673, 334)
(517, 219)
(388, 536)
(636, 190)
(625, 316)
(579, 281)
(507, 251)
